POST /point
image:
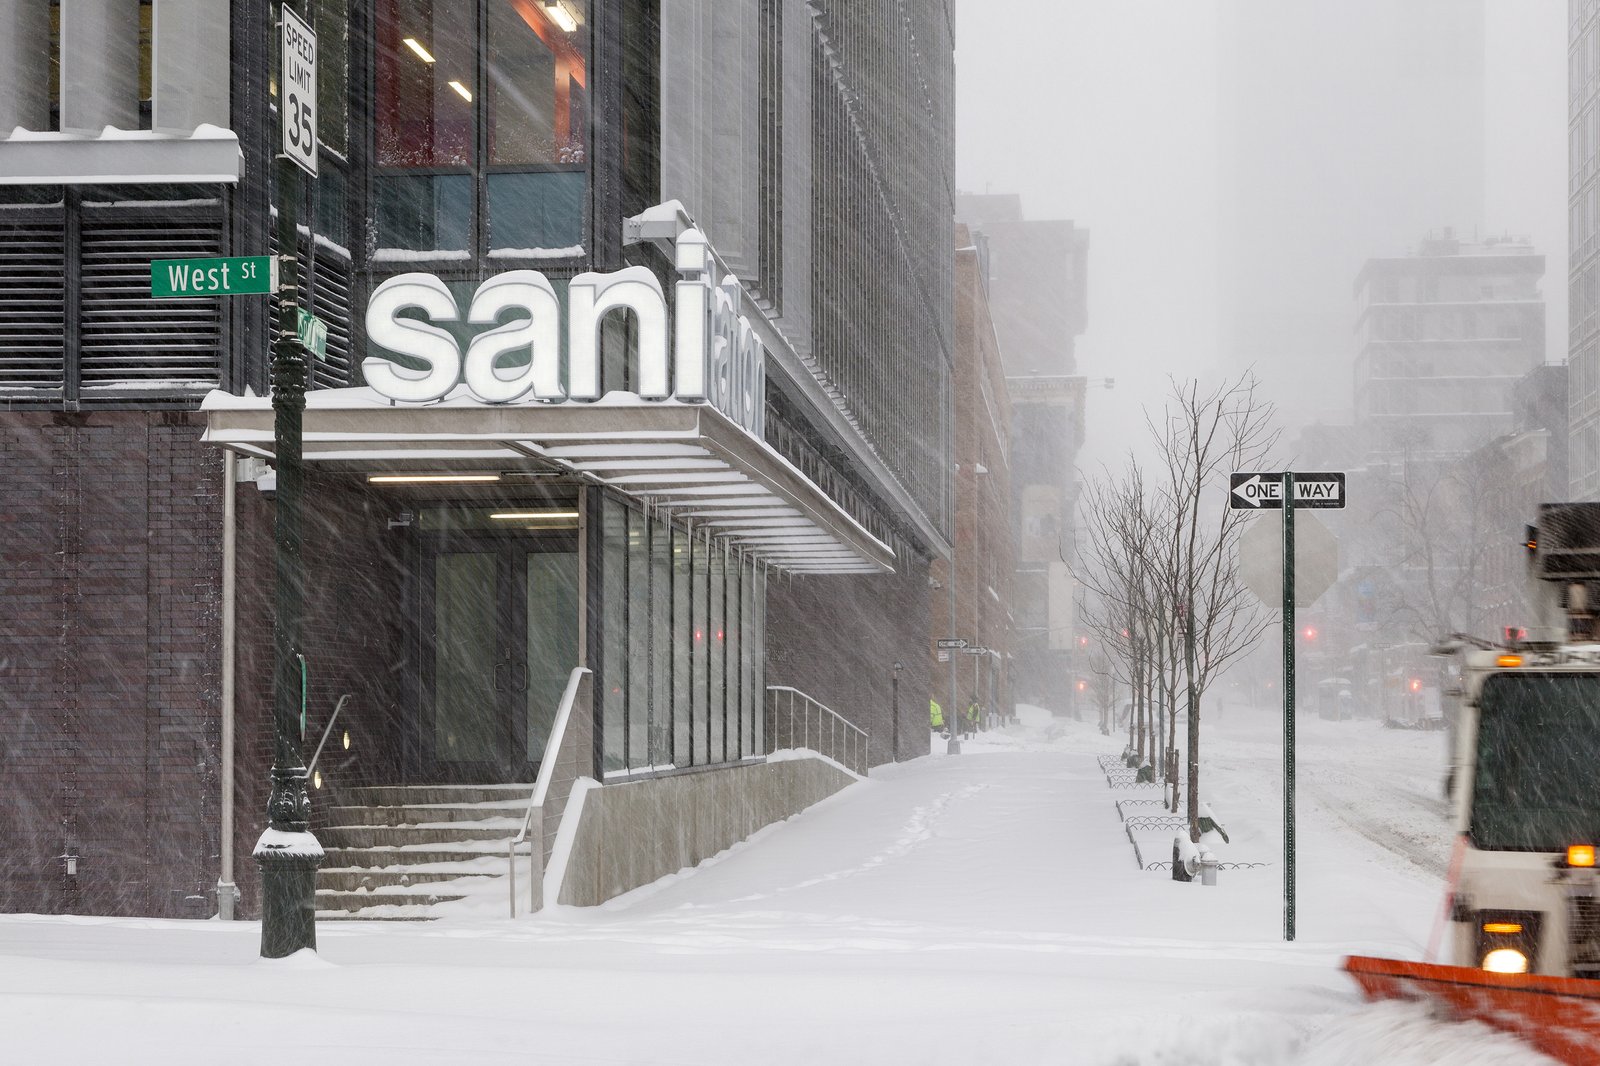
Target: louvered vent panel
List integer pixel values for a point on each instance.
(33, 295)
(133, 344)
(330, 301)
(325, 285)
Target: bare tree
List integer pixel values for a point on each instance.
(1450, 521)
(1113, 569)
(1203, 436)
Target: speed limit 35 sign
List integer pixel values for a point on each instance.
(297, 91)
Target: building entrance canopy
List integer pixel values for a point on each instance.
(689, 458)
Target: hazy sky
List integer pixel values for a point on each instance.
(1112, 113)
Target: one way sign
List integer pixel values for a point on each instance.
(1253, 492)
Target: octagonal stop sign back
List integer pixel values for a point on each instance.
(1316, 558)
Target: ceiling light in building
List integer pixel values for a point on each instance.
(524, 516)
(462, 89)
(416, 46)
(419, 479)
(562, 14)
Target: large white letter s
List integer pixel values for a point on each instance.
(411, 337)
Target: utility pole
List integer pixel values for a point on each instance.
(287, 852)
(1288, 705)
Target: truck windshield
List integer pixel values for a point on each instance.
(1537, 786)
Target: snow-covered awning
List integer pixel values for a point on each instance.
(119, 157)
(687, 457)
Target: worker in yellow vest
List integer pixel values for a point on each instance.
(935, 716)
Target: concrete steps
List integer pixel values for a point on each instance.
(393, 852)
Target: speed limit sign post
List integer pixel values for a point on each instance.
(289, 870)
(297, 91)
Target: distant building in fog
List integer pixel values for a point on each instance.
(985, 539)
(1339, 125)
(1583, 212)
(1038, 297)
(1038, 282)
(1444, 334)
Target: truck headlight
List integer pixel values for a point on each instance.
(1508, 941)
(1505, 960)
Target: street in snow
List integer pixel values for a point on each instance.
(985, 908)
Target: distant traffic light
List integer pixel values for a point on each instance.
(1311, 632)
(1416, 685)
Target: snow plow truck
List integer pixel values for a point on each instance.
(1523, 894)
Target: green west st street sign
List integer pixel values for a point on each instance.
(240, 275)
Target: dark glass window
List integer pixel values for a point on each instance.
(699, 665)
(481, 129)
(146, 62)
(680, 646)
(333, 98)
(537, 125)
(682, 641)
(661, 694)
(425, 123)
(55, 65)
(639, 694)
(614, 650)
(716, 649)
(749, 697)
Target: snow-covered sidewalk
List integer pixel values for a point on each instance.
(979, 909)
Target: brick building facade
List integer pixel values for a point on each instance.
(116, 408)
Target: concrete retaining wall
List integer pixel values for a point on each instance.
(632, 833)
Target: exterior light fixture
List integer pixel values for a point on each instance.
(561, 13)
(419, 479)
(347, 740)
(316, 778)
(416, 46)
(462, 90)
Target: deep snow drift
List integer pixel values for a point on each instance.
(978, 909)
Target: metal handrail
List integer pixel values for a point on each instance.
(852, 749)
(541, 791)
(325, 732)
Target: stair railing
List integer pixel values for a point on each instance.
(326, 732)
(795, 720)
(532, 832)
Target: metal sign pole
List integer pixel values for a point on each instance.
(287, 853)
(1288, 705)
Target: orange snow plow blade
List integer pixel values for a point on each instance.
(1558, 1015)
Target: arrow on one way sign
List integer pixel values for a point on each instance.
(1253, 492)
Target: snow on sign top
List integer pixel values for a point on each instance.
(1255, 491)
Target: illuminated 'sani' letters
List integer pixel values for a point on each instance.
(715, 355)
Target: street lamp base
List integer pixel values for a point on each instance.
(953, 745)
(288, 894)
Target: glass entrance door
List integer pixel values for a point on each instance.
(500, 626)
(469, 734)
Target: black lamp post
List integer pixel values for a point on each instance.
(288, 853)
(894, 710)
